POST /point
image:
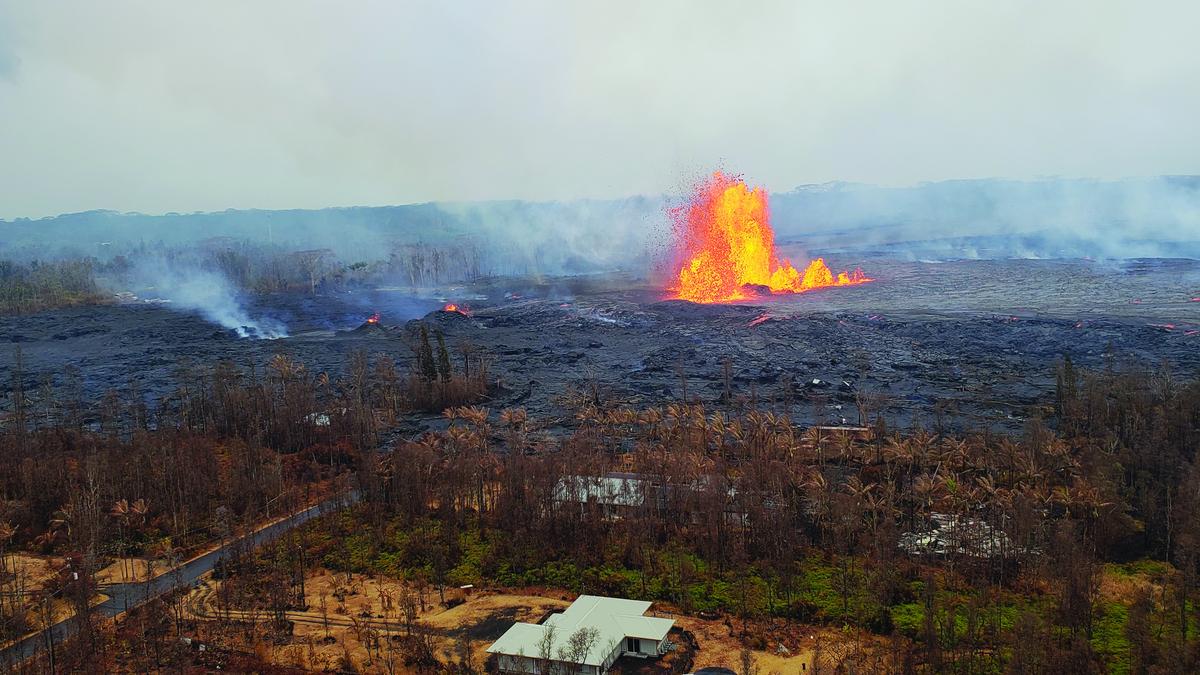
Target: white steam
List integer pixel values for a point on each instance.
(206, 292)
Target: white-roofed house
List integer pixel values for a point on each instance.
(586, 638)
(615, 494)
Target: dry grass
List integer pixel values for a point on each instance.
(355, 606)
(717, 645)
(34, 571)
(130, 570)
(356, 601)
(480, 609)
(437, 395)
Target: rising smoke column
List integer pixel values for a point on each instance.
(725, 244)
(206, 292)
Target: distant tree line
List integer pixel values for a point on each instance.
(31, 285)
(34, 286)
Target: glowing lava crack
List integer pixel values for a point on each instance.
(726, 248)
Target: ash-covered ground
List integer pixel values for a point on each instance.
(967, 343)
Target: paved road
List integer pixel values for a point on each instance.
(122, 597)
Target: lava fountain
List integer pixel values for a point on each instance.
(726, 248)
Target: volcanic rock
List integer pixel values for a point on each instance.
(371, 328)
(922, 337)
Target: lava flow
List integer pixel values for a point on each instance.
(451, 307)
(726, 247)
(374, 318)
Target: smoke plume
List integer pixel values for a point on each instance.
(209, 293)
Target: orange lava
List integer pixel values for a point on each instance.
(726, 246)
(374, 318)
(451, 307)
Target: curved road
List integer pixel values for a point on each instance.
(122, 597)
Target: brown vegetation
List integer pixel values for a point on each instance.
(36, 286)
(732, 511)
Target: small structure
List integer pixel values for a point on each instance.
(613, 493)
(585, 639)
(952, 535)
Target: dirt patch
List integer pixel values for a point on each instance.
(356, 627)
(483, 619)
(494, 625)
(32, 570)
(718, 645)
(25, 576)
(485, 609)
(130, 570)
(357, 619)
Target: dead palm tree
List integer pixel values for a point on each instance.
(819, 496)
(7, 531)
(928, 489)
(953, 452)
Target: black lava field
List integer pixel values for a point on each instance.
(968, 344)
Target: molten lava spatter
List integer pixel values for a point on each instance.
(725, 246)
(457, 309)
(374, 318)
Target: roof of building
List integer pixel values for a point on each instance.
(958, 535)
(614, 619)
(613, 489)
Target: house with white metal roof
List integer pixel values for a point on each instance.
(614, 493)
(585, 639)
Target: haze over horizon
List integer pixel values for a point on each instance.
(163, 107)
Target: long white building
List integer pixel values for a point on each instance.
(585, 639)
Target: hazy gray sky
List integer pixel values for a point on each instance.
(171, 106)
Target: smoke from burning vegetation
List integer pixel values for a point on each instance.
(951, 219)
(205, 291)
